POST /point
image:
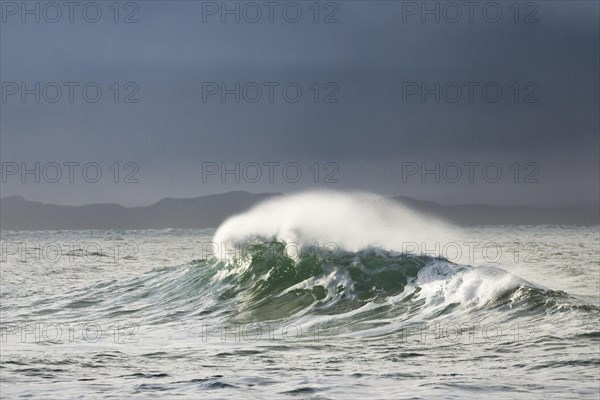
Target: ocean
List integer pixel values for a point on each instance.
(306, 297)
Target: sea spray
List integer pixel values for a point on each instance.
(352, 221)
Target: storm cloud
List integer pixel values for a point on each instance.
(384, 86)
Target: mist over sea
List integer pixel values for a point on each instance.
(308, 296)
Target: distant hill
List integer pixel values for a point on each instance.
(481, 214)
(17, 213)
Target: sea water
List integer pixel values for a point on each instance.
(310, 296)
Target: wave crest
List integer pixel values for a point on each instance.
(353, 221)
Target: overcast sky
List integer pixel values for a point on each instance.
(369, 117)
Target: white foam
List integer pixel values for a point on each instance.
(352, 221)
(444, 283)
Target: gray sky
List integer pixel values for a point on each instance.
(373, 122)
